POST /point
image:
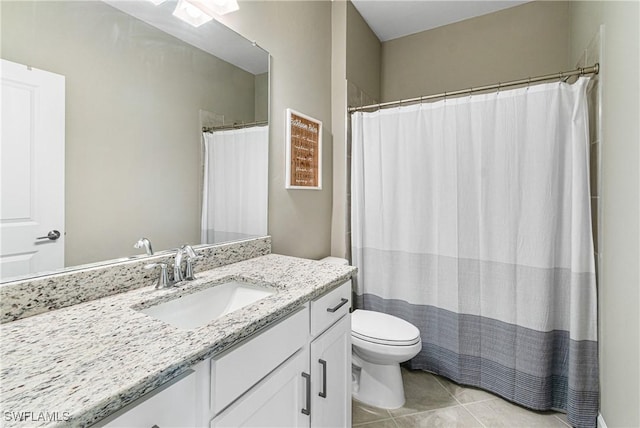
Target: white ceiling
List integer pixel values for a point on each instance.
(391, 19)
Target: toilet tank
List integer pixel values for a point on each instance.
(335, 260)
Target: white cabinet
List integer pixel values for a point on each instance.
(331, 376)
(277, 401)
(310, 389)
(234, 372)
(170, 405)
(330, 362)
(296, 373)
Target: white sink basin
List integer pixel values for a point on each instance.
(202, 307)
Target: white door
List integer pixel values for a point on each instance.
(32, 170)
(280, 400)
(331, 376)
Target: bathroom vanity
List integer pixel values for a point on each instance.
(294, 373)
(284, 360)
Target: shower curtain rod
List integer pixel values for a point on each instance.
(234, 126)
(594, 69)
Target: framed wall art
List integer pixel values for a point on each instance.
(304, 151)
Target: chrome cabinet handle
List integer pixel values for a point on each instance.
(52, 235)
(307, 408)
(343, 302)
(323, 393)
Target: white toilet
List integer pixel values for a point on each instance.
(380, 342)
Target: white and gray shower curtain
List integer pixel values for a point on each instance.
(235, 190)
(471, 219)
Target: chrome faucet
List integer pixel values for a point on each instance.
(144, 242)
(191, 256)
(177, 266)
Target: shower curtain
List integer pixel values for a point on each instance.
(471, 219)
(234, 200)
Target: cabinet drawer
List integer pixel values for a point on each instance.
(236, 371)
(329, 308)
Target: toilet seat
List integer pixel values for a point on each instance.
(385, 342)
(383, 329)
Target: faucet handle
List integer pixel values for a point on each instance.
(191, 256)
(163, 281)
(188, 274)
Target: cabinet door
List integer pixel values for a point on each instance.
(170, 405)
(331, 376)
(277, 401)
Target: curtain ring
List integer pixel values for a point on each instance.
(528, 82)
(445, 96)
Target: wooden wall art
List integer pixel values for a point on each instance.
(304, 152)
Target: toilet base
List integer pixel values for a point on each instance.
(380, 385)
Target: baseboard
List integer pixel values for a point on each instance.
(600, 421)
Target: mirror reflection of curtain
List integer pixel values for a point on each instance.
(234, 202)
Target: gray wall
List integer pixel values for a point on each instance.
(339, 60)
(297, 34)
(364, 54)
(262, 97)
(619, 289)
(356, 77)
(133, 96)
(526, 40)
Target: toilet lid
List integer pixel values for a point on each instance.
(378, 327)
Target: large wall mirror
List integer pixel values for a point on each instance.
(139, 86)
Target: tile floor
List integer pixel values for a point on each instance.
(433, 401)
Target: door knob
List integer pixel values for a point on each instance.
(52, 235)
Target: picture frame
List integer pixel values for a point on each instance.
(303, 151)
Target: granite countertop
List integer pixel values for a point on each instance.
(84, 362)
